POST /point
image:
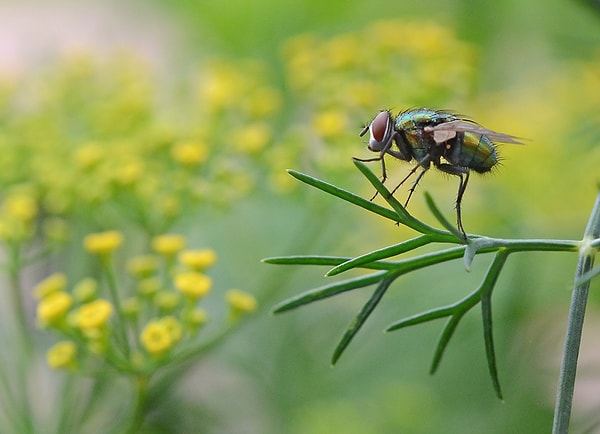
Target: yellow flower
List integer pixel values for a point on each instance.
(51, 284)
(143, 266)
(253, 138)
(173, 326)
(62, 355)
(94, 315)
(88, 155)
(168, 244)
(330, 123)
(53, 308)
(149, 286)
(156, 338)
(85, 290)
(103, 243)
(241, 302)
(198, 260)
(263, 102)
(193, 284)
(166, 300)
(189, 153)
(20, 206)
(196, 318)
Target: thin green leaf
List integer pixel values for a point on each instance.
(360, 319)
(442, 219)
(422, 317)
(486, 289)
(326, 291)
(585, 277)
(306, 260)
(444, 339)
(403, 216)
(486, 313)
(345, 195)
(379, 254)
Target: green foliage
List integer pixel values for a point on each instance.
(474, 245)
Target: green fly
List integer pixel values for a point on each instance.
(451, 143)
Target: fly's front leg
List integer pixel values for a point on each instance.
(463, 174)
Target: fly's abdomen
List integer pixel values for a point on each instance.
(474, 151)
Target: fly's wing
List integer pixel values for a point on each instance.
(447, 130)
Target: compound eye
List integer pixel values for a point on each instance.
(379, 126)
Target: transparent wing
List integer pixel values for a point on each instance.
(448, 130)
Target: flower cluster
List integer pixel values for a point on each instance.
(140, 326)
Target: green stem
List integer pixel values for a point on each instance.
(114, 293)
(568, 370)
(141, 390)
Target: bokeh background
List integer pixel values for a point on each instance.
(181, 116)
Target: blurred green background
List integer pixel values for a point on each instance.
(530, 69)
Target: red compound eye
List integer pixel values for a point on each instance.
(379, 126)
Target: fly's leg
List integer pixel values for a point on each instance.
(462, 186)
(387, 149)
(414, 186)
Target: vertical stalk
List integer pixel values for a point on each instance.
(568, 370)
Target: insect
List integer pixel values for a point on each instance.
(451, 143)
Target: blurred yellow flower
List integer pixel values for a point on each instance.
(103, 243)
(168, 244)
(53, 308)
(20, 207)
(156, 338)
(51, 284)
(143, 266)
(166, 301)
(263, 102)
(196, 318)
(62, 355)
(173, 326)
(93, 315)
(199, 259)
(191, 153)
(85, 290)
(149, 286)
(193, 284)
(330, 123)
(88, 155)
(241, 301)
(253, 138)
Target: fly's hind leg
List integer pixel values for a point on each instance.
(463, 174)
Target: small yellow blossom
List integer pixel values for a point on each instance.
(193, 284)
(198, 260)
(263, 102)
(103, 243)
(156, 338)
(21, 207)
(85, 290)
(168, 244)
(173, 326)
(253, 138)
(166, 301)
(54, 307)
(62, 355)
(241, 302)
(196, 318)
(51, 284)
(143, 266)
(149, 286)
(93, 315)
(88, 155)
(189, 153)
(330, 123)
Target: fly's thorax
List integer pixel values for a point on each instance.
(474, 151)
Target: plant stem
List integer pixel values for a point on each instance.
(568, 370)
